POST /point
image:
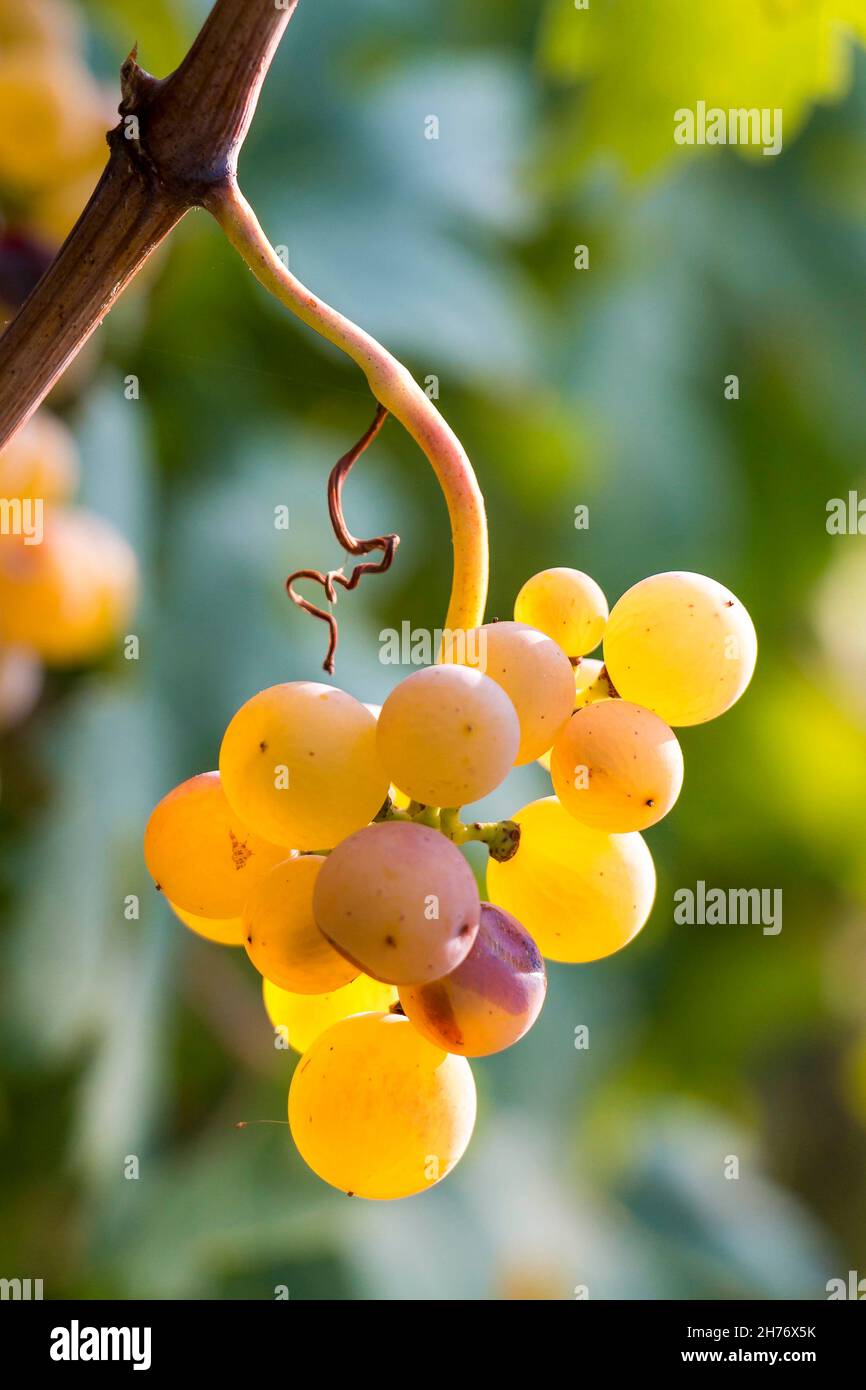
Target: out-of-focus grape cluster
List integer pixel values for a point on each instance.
(53, 119)
(328, 845)
(67, 579)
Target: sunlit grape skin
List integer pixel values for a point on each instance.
(617, 767)
(580, 893)
(567, 605)
(200, 855)
(492, 998)
(399, 901)
(447, 736)
(377, 1111)
(300, 1018)
(534, 673)
(222, 931)
(300, 767)
(280, 932)
(682, 645)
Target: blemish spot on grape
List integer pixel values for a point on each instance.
(241, 853)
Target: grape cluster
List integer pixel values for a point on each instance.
(67, 585)
(67, 579)
(328, 845)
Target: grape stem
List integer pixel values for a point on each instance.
(502, 837)
(178, 137)
(394, 388)
(176, 148)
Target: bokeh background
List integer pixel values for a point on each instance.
(599, 1169)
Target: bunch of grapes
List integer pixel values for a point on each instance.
(328, 845)
(67, 579)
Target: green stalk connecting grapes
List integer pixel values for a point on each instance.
(500, 836)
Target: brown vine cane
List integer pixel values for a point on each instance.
(350, 543)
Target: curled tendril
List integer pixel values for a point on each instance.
(330, 579)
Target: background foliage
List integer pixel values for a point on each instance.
(601, 1167)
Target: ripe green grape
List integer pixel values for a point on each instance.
(280, 932)
(617, 767)
(299, 765)
(377, 1111)
(400, 901)
(535, 674)
(200, 854)
(566, 604)
(300, 1018)
(447, 735)
(225, 931)
(682, 645)
(493, 997)
(580, 893)
(69, 596)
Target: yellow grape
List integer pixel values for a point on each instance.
(400, 901)
(52, 116)
(447, 735)
(20, 685)
(535, 674)
(493, 997)
(280, 932)
(199, 853)
(377, 1111)
(225, 931)
(40, 462)
(300, 1018)
(590, 683)
(617, 766)
(69, 596)
(566, 604)
(581, 894)
(299, 765)
(682, 645)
